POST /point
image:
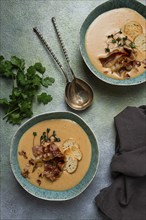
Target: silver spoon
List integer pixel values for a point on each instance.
(78, 94)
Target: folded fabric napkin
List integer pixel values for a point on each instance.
(125, 199)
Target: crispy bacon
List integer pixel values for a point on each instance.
(120, 60)
(55, 150)
(37, 150)
(111, 59)
(51, 171)
(52, 158)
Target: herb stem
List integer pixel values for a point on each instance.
(34, 135)
(10, 112)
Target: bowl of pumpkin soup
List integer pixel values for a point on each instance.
(113, 42)
(54, 156)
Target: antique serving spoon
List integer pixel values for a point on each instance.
(78, 94)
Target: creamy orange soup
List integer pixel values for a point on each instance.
(104, 25)
(64, 129)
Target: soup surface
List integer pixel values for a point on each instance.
(116, 43)
(65, 129)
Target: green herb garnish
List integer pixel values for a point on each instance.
(113, 41)
(132, 45)
(45, 136)
(26, 84)
(119, 41)
(110, 36)
(44, 98)
(34, 135)
(107, 50)
(125, 38)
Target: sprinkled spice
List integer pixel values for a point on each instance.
(31, 162)
(25, 173)
(23, 153)
(39, 182)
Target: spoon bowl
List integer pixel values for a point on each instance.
(78, 94)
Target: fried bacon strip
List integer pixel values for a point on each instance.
(120, 60)
(52, 158)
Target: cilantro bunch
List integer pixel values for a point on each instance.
(26, 84)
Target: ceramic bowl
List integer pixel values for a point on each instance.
(109, 5)
(51, 194)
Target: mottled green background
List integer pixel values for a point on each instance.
(18, 17)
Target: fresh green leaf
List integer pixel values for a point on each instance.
(1, 58)
(25, 88)
(16, 92)
(20, 63)
(25, 105)
(14, 118)
(48, 81)
(30, 72)
(44, 98)
(4, 102)
(36, 81)
(27, 114)
(40, 68)
(25, 96)
(6, 69)
(20, 78)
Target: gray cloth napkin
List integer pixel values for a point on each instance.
(125, 199)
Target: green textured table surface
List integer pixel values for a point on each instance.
(18, 17)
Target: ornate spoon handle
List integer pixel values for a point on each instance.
(62, 44)
(60, 39)
(38, 33)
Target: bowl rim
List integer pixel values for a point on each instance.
(47, 191)
(112, 4)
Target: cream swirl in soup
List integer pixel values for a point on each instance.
(116, 43)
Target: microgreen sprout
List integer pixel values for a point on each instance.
(34, 135)
(45, 136)
(119, 41)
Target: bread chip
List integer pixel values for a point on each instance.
(132, 29)
(74, 151)
(71, 164)
(69, 143)
(67, 151)
(140, 42)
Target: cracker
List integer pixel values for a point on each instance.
(69, 143)
(74, 152)
(71, 164)
(140, 42)
(132, 29)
